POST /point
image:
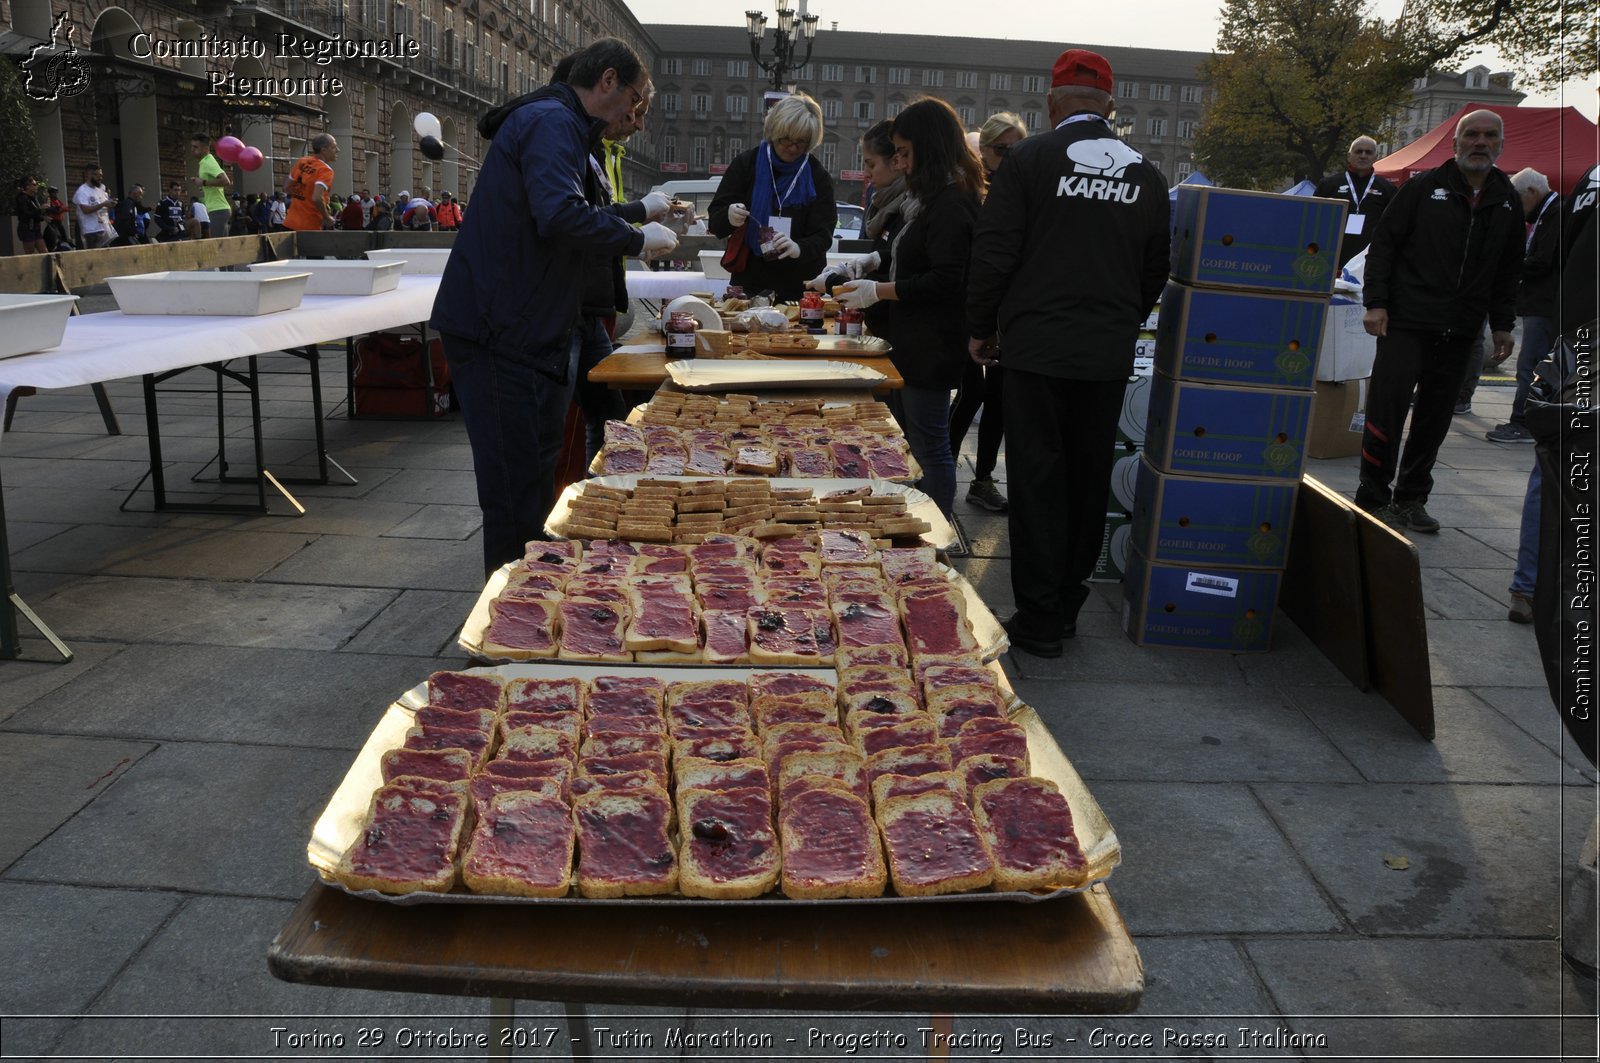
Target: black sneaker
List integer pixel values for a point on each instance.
(1511, 432)
(1415, 516)
(1463, 407)
(1037, 647)
(984, 493)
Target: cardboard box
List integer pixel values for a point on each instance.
(1227, 238)
(1338, 418)
(1235, 337)
(1211, 521)
(1346, 351)
(1206, 608)
(1211, 430)
(1135, 409)
(1116, 548)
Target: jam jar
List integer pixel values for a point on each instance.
(850, 321)
(811, 310)
(680, 335)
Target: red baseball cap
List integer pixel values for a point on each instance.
(1077, 66)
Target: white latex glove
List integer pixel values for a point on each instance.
(861, 266)
(819, 283)
(657, 205)
(658, 240)
(785, 247)
(738, 214)
(858, 295)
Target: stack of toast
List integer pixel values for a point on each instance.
(677, 511)
(782, 449)
(807, 600)
(630, 786)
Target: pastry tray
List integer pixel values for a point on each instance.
(992, 640)
(702, 374)
(341, 820)
(919, 506)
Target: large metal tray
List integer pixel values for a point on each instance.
(341, 820)
(992, 639)
(918, 505)
(207, 294)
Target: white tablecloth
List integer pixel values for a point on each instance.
(114, 345)
(669, 284)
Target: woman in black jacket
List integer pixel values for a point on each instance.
(777, 187)
(919, 309)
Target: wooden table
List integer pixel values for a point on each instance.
(1069, 955)
(638, 372)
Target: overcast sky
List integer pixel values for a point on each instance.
(1180, 24)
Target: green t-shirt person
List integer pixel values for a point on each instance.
(216, 196)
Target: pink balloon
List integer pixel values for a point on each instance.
(251, 159)
(228, 148)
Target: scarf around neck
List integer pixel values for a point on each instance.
(885, 203)
(778, 185)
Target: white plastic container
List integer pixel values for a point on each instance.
(30, 323)
(201, 293)
(332, 276)
(416, 259)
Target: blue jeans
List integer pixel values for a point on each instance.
(1527, 572)
(924, 416)
(511, 411)
(1538, 339)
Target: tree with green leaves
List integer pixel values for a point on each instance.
(21, 155)
(1296, 80)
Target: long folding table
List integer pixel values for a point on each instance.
(114, 346)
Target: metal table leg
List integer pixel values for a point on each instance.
(10, 641)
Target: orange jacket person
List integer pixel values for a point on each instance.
(308, 185)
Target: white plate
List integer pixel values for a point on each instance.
(712, 375)
(30, 323)
(203, 293)
(918, 505)
(333, 276)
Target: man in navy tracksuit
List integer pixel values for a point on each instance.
(509, 302)
(1071, 251)
(1447, 252)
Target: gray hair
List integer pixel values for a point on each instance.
(320, 142)
(1061, 93)
(1530, 180)
(1482, 112)
(797, 117)
(1359, 139)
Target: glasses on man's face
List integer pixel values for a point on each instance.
(638, 97)
(791, 144)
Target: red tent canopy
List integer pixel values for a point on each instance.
(1557, 141)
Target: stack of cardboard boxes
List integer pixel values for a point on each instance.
(1229, 413)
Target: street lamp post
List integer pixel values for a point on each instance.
(786, 41)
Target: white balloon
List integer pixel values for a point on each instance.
(426, 123)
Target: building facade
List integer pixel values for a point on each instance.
(708, 103)
(125, 86)
(1441, 94)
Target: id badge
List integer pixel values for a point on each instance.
(1353, 224)
(782, 225)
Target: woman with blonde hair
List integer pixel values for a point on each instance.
(980, 386)
(921, 308)
(781, 199)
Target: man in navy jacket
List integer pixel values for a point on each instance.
(1446, 253)
(509, 302)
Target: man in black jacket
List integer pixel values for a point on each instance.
(1446, 253)
(1536, 294)
(1070, 253)
(1368, 195)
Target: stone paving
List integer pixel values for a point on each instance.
(157, 792)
